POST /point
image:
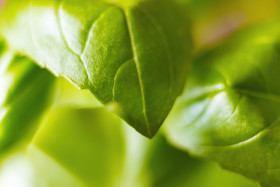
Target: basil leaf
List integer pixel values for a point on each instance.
(230, 110)
(130, 53)
(45, 170)
(25, 93)
(165, 165)
(87, 142)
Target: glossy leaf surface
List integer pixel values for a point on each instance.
(25, 93)
(133, 54)
(230, 110)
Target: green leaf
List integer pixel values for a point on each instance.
(133, 54)
(45, 171)
(92, 147)
(25, 93)
(69, 95)
(165, 165)
(157, 163)
(231, 107)
(87, 142)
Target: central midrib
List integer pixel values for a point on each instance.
(129, 27)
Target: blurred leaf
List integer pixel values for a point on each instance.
(211, 175)
(25, 93)
(87, 142)
(69, 95)
(165, 165)
(133, 54)
(47, 172)
(35, 169)
(230, 110)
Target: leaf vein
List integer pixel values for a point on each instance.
(59, 7)
(129, 26)
(248, 140)
(115, 77)
(169, 56)
(92, 27)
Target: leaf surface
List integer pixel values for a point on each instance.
(133, 54)
(230, 110)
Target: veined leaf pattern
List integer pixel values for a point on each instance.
(230, 110)
(133, 54)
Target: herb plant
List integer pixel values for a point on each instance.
(134, 56)
(125, 52)
(232, 103)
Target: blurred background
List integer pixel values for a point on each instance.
(78, 145)
(213, 20)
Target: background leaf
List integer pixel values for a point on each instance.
(230, 111)
(25, 93)
(98, 150)
(86, 142)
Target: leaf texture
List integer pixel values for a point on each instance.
(230, 110)
(133, 54)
